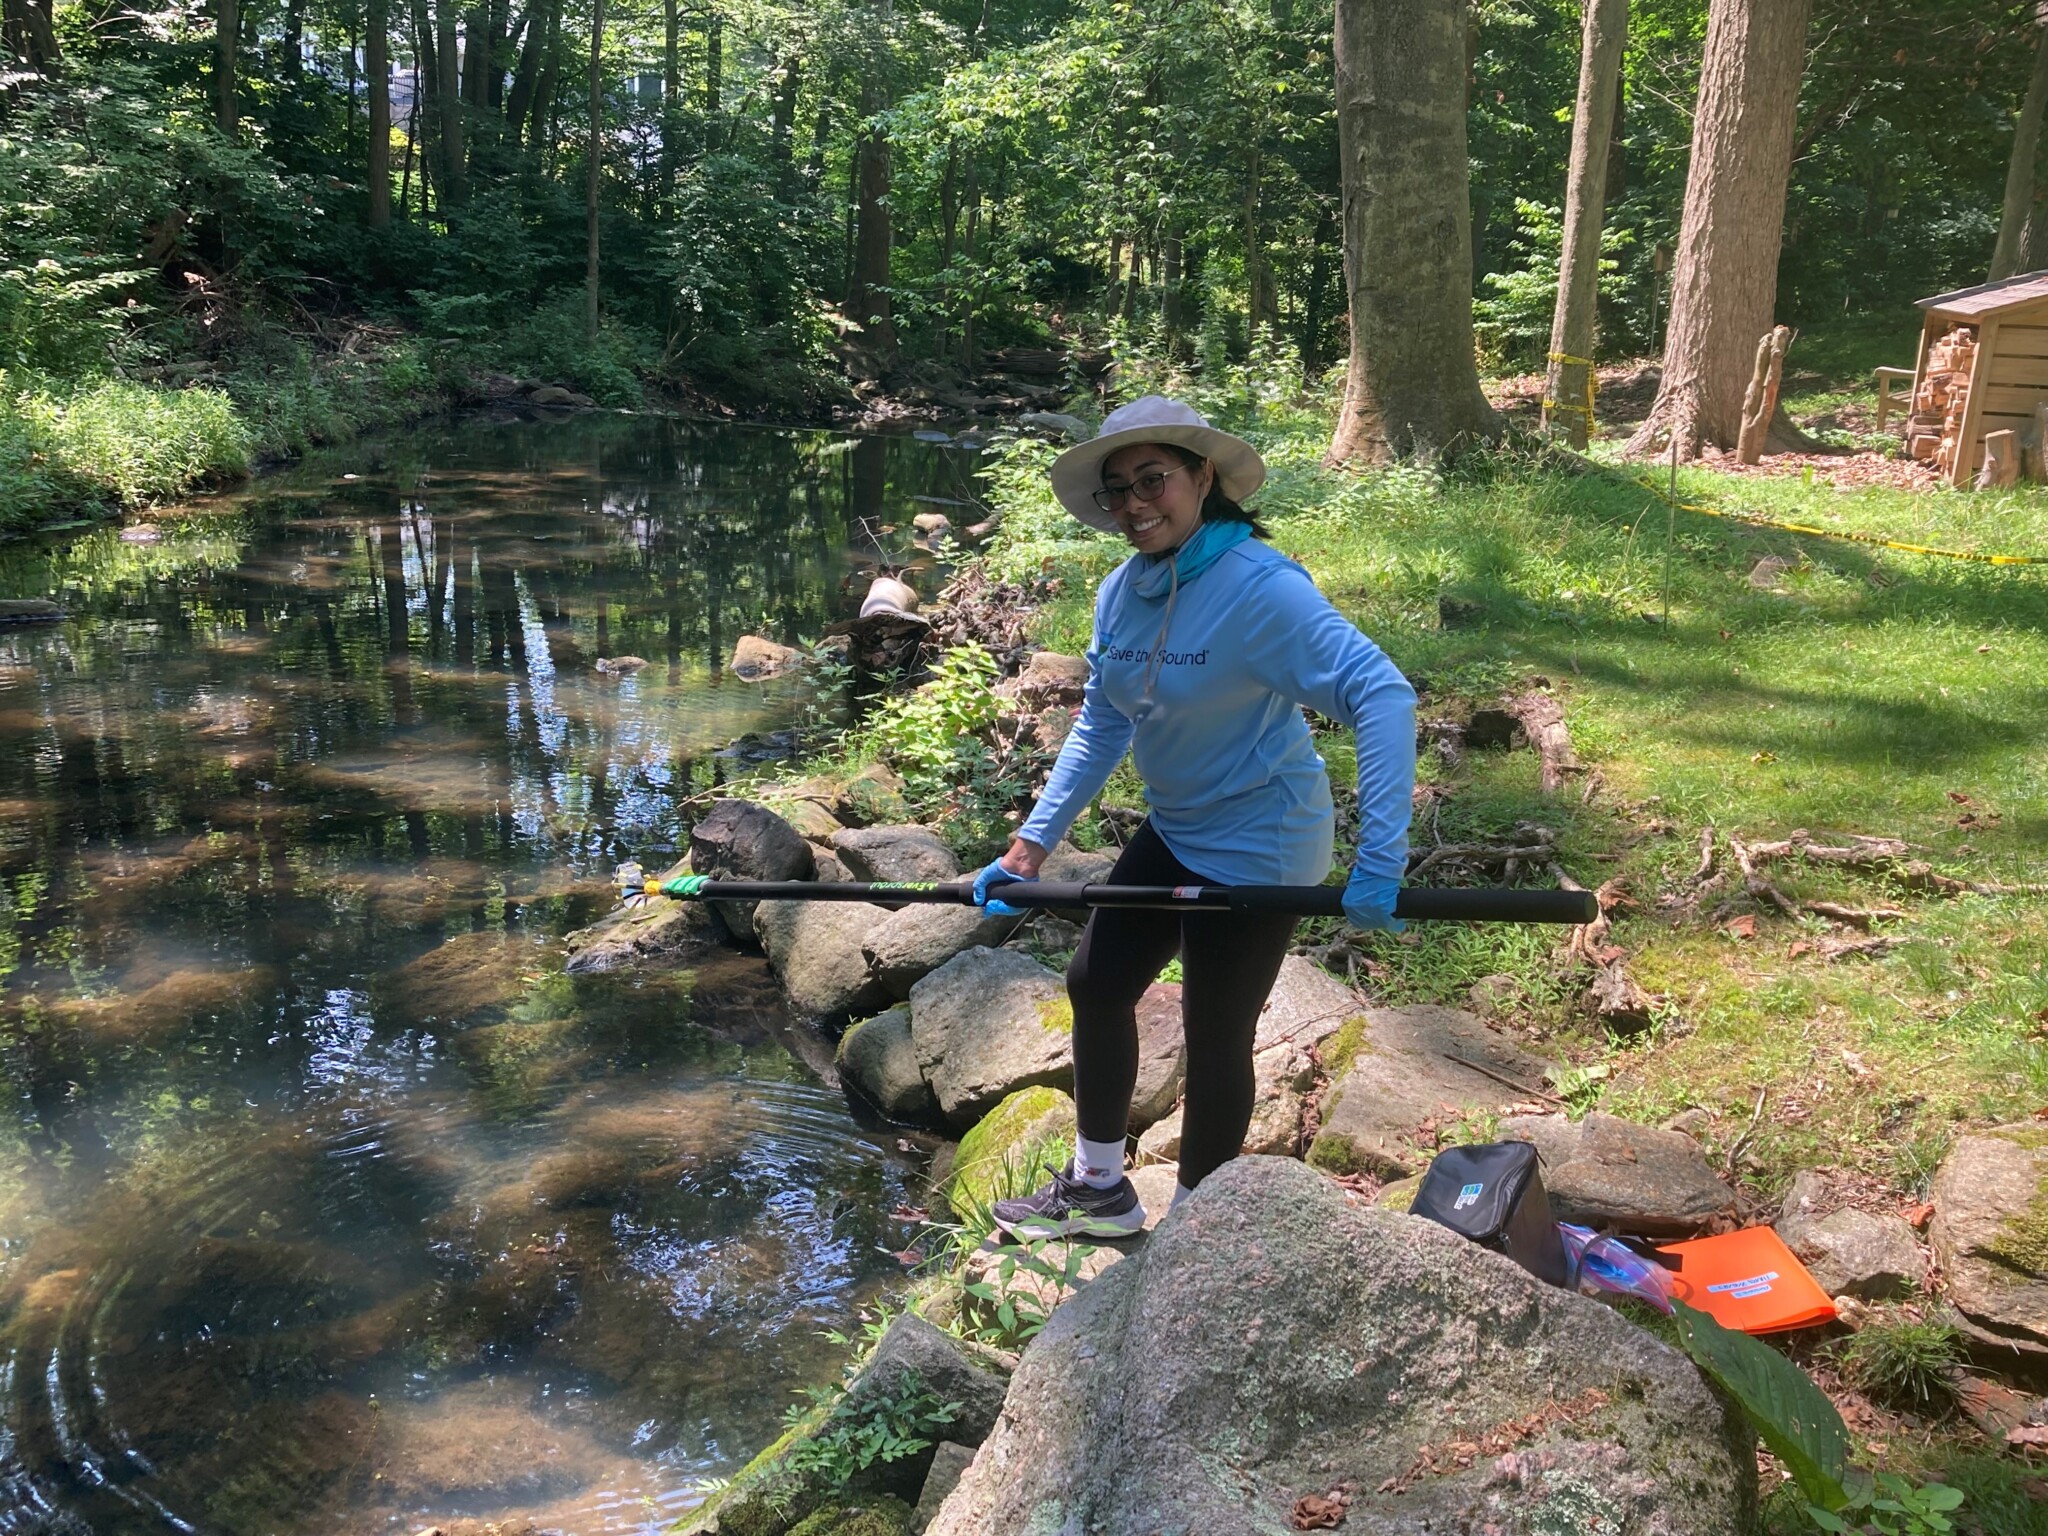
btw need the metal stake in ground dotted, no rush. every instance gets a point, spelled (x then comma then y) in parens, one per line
(1416, 904)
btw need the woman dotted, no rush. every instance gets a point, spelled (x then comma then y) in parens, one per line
(1207, 643)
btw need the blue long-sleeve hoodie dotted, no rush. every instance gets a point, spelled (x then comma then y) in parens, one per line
(1231, 774)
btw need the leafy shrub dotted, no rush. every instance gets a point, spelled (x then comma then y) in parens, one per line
(866, 1429)
(1513, 320)
(135, 443)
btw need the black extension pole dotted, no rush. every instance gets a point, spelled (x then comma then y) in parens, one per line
(1415, 904)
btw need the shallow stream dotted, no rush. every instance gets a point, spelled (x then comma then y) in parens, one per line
(328, 1203)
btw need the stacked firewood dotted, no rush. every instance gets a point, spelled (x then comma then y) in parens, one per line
(1936, 426)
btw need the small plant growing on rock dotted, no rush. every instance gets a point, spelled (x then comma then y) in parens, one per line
(862, 1430)
(1020, 1289)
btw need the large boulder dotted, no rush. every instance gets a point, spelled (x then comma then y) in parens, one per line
(1604, 1172)
(740, 840)
(1394, 1068)
(877, 1057)
(986, 1023)
(1990, 1236)
(1306, 1006)
(815, 948)
(655, 931)
(911, 943)
(1870, 1255)
(951, 1369)
(895, 853)
(1275, 1340)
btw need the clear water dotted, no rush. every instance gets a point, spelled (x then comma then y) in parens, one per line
(328, 1203)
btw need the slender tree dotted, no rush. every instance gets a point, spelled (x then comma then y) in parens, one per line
(227, 36)
(1413, 383)
(2019, 168)
(1569, 390)
(454, 177)
(594, 170)
(1724, 283)
(377, 66)
(867, 289)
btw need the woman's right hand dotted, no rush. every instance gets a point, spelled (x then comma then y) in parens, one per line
(1021, 863)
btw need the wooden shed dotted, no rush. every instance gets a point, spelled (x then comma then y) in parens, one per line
(1982, 368)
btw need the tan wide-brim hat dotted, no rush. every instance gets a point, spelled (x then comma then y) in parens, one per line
(1077, 473)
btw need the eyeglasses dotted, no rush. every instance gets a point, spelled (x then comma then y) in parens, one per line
(1150, 487)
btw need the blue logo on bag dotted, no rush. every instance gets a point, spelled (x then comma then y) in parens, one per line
(1469, 1195)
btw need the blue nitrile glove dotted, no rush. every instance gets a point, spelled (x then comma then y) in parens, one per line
(1369, 901)
(995, 874)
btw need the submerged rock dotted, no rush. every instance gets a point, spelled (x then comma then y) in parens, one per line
(1990, 1236)
(755, 660)
(649, 932)
(986, 1023)
(1274, 1340)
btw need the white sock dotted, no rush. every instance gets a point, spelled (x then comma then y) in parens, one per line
(1098, 1164)
(1180, 1193)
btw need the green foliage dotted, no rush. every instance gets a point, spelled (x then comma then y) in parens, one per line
(864, 1429)
(1513, 318)
(1902, 1358)
(959, 767)
(129, 443)
(1890, 1505)
(1791, 1414)
(1023, 1283)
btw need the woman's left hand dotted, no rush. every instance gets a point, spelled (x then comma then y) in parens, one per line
(1369, 902)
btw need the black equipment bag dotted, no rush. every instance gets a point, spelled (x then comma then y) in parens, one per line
(1494, 1195)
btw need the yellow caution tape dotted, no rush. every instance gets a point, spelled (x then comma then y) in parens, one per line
(1592, 388)
(1757, 520)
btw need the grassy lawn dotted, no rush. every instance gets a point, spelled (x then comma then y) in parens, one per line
(1839, 688)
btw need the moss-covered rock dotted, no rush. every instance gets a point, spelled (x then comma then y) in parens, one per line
(1990, 1237)
(1029, 1131)
(882, 1516)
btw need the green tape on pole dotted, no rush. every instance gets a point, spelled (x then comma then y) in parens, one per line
(685, 885)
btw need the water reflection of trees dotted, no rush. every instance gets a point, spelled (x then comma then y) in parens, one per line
(306, 736)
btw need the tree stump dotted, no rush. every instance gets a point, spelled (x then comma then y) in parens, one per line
(1760, 404)
(2001, 460)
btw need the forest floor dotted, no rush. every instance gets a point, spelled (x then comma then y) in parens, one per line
(1751, 681)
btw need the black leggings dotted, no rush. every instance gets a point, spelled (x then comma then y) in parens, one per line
(1228, 963)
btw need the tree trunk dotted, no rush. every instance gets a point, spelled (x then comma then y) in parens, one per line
(671, 94)
(227, 36)
(540, 131)
(519, 100)
(29, 31)
(1569, 391)
(867, 297)
(2019, 169)
(1413, 384)
(1724, 283)
(377, 66)
(594, 158)
(454, 176)
(290, 65)
(1170, 322)
(782, 132)
(1261, 303)
(714, 64)
(1760, 400)
(1314, 316)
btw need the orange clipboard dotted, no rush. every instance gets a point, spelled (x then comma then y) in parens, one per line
(1748, 1280)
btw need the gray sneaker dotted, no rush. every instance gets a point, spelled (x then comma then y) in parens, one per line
(1069, 1208)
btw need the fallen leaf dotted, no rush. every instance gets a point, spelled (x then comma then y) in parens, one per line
(1983, 650)
(1763, 757)
(1917, 1216)
(1959, 797)
(909, 1258)
(1801, 947)
(1744, 927)
(2028, 1436)
(909, 1213)
(1313, 1512)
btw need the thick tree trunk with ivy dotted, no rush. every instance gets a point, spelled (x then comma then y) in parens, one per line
(1413, 385)
(1724, 282)
(2011, 251)
(377, 66)
(594, 171)
(1569, 390)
